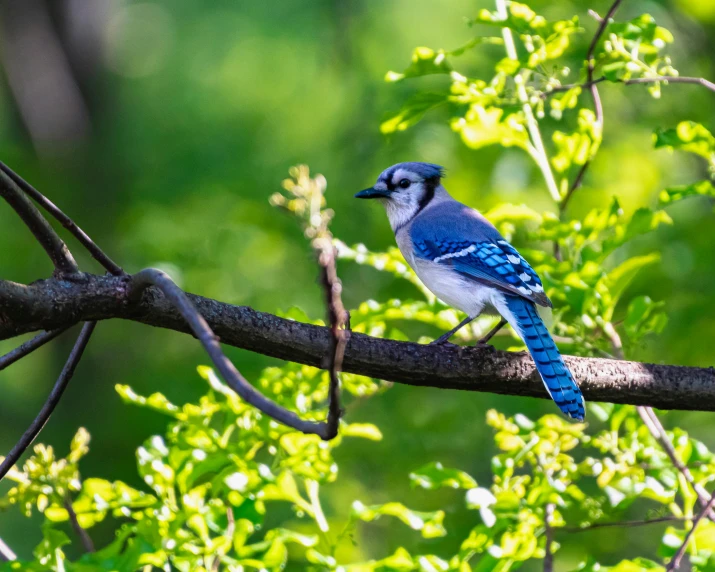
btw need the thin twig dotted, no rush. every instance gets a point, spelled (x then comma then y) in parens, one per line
(198, 325)
(6, 553)
(595, 96)
(52, 400)
(29, 346)
(636, 81)
(83, 535)
(65, 221)
(674, 564)
(230, 529)
(549, 533)
(338, 320)
(652, 422)
(623, 523)
(539, 151)
(49, 240)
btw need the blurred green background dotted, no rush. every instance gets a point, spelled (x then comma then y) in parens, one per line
(163, 127)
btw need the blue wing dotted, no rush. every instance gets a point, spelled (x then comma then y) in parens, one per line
(492, 262)
(463, 239)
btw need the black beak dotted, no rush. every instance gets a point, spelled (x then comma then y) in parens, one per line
(373, 193)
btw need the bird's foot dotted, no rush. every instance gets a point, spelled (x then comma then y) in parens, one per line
(485, 345)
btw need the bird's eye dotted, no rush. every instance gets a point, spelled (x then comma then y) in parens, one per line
(404, 183)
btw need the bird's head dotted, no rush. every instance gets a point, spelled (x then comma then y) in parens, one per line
(405, 189)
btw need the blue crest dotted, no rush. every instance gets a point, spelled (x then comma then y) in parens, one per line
(424, 170)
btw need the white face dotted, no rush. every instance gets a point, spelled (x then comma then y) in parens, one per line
(408, 189)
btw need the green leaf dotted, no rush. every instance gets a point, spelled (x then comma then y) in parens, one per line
(620, 277)
(425, 61)
(687, 136)
(644, 316)
(434, 476)
(412, 111)
(156, 401)
(428, 523)
(363, 430)
(482, 126)
(674, 194)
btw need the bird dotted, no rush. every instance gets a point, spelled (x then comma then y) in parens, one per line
(464, 261)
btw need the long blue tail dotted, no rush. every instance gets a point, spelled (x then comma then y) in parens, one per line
(549, 363)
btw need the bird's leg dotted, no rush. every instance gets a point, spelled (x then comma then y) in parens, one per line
(444, 337)
(484, 341)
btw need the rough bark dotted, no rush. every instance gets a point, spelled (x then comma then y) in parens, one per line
(57, 302)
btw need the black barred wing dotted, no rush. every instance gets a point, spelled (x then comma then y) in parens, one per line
(495, 263)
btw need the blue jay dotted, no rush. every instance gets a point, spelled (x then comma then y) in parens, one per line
(464, 261)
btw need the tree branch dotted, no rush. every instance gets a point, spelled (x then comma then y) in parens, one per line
(6, 553)
(52, 400)
(58, 302)
(28, 347)
(549, 533)
(639, 80)
(64, 220)
(622, 523)
(83, 535)
(200, 328)
(652, 422)
(598, 107)
(49, 240)
(674, 564)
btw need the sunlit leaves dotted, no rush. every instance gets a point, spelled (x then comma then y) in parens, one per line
(674, 194)
(45, 480)
(688, 136)
(425, 61)
(412, 111)
(635, 49)
(435, 476)
(482, 126)
(428, 523)
(543, 40)
(578, 147)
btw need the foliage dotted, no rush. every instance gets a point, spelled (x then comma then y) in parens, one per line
(225, 487)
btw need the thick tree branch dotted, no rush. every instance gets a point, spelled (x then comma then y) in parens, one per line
(58, 302)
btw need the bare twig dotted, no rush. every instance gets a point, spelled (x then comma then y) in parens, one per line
(65, 221)
(595, 96)
(651, 420)
(83, 535)
(29, 346)
(674, 564)
(53, 399)
(549, 533)
(638, 81)
(536, 149)
(201, 329)
(338, 320)
(6, 553)
(623, 523)
(49, 240)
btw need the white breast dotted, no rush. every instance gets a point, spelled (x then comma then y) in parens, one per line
(461, 293)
